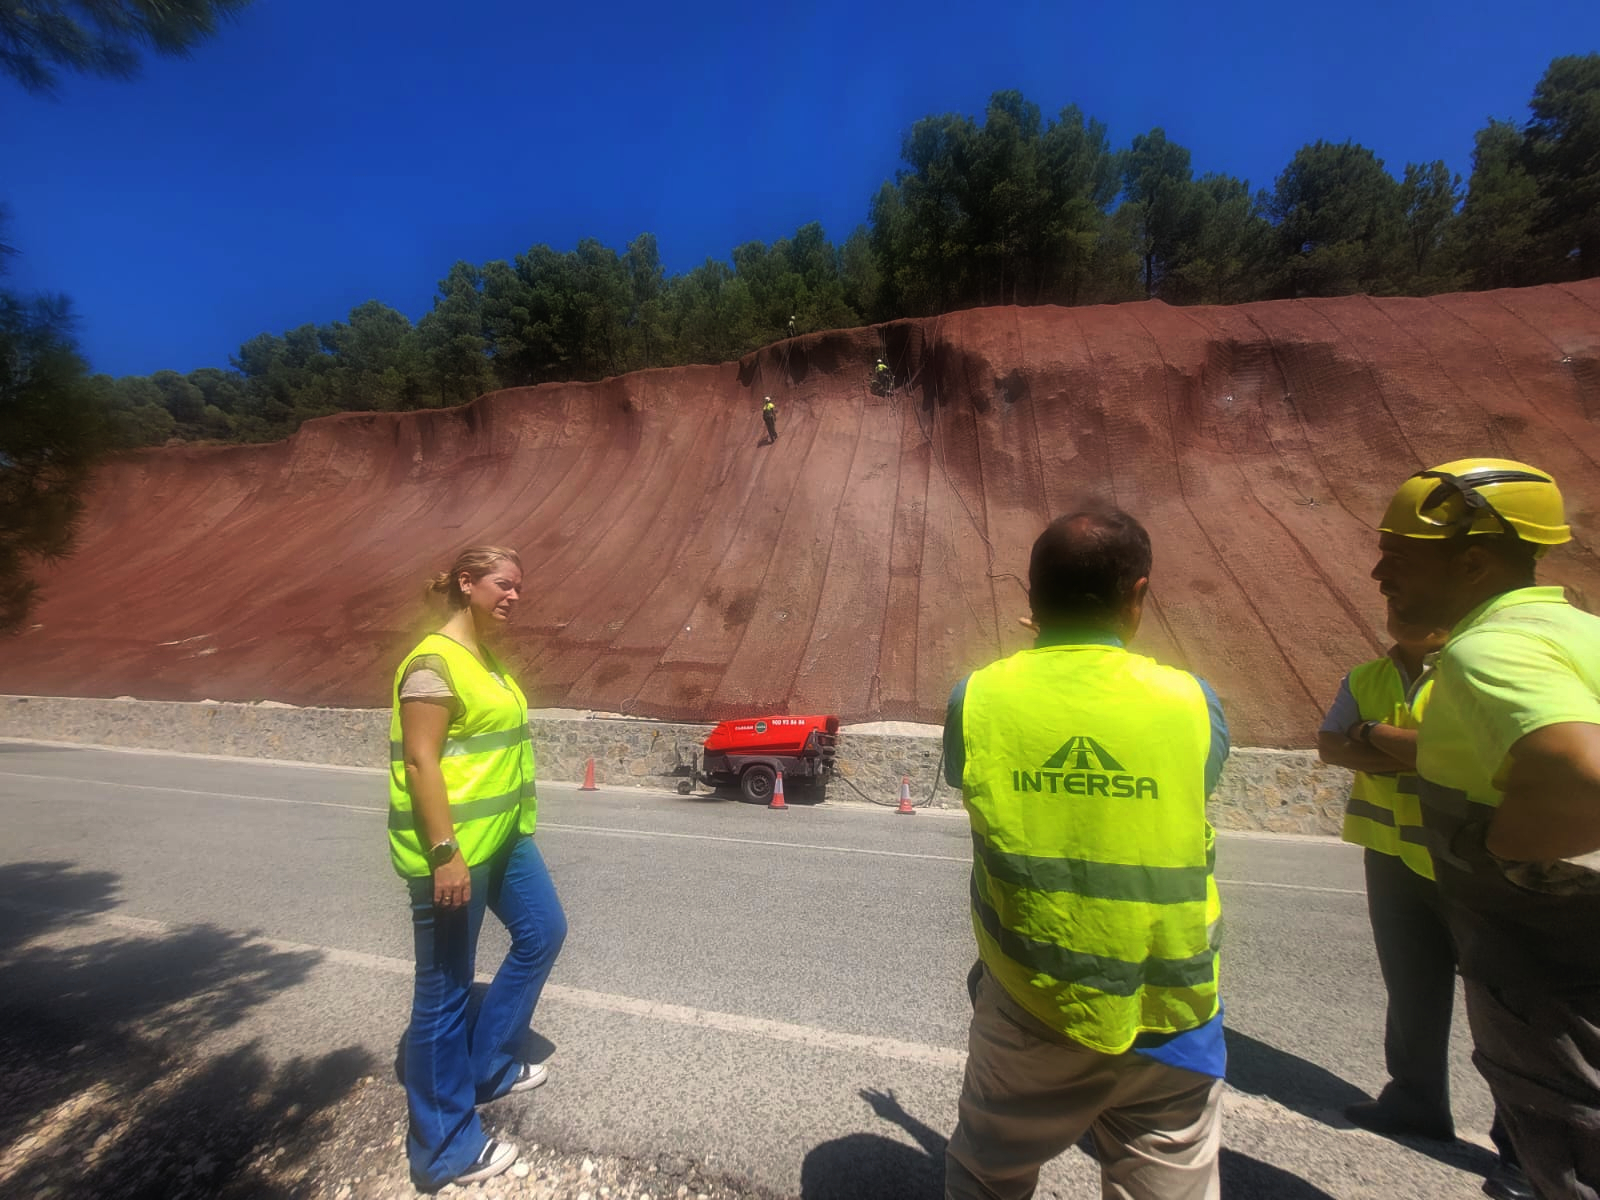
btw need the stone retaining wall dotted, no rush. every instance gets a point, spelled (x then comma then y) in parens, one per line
(1283, 791)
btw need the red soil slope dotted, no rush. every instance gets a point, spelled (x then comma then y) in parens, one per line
(678, 567)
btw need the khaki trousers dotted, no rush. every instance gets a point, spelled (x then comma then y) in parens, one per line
(1030, 1094)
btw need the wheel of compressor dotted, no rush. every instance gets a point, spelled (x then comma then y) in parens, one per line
(756, 783)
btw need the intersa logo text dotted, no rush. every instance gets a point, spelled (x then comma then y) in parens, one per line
(1083, 767)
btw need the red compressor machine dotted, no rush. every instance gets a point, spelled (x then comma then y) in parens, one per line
(749, 752)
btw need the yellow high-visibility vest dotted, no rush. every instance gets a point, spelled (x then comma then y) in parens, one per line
(1384, 812)
(487, 761)
(1093, 899)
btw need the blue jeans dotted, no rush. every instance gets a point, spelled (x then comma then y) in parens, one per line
(453, 1060)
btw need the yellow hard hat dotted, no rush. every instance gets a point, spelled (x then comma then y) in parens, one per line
(1479, 495)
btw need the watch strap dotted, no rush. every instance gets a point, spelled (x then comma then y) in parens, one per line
(449, 846)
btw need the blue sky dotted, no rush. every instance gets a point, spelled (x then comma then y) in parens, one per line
(322, 153)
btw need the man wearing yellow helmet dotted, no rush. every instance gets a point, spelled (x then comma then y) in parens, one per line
(769, 414)
(1509, 762)
(1371, 729)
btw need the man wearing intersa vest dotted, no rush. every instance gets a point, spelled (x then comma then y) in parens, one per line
(1085, 771)
(1509, 761)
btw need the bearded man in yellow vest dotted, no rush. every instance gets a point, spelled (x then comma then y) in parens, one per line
(1508, 762)
(1085, 771)
(1371, 729)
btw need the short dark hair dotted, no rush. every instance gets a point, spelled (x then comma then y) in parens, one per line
(1084, 566)
(1513, 553)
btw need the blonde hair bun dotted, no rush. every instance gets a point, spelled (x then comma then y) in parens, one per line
(475, 562)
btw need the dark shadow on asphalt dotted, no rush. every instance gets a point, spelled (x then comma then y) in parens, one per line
(1264, 1070)
(38, 897)
(101, 1052)
(1246, 1178)
(703, 797)
(869, 1164)
(802, 794)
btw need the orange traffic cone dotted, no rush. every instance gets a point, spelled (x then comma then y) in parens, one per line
(905, 809)
(777, 794)
(588, 778)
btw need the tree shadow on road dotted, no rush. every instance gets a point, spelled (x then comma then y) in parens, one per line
(107, 1085)
(869, 1164)
(1313, 1091)
(37, 897)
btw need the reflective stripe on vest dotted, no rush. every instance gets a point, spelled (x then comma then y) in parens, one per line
(1100, 880)
(486, 760)
(1113, 976)
(470, 810)
(476, 744)
(1093, 900)
(1369, 815)
(1383, 807)
(1445, 813)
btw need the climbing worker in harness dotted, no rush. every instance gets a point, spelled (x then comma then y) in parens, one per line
(882, 379)
(769, 414)
(792, 329)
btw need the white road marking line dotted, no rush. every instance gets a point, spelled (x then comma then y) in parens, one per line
(150, 787)
(610, 831)
(843, 805)
(650, 1010)
(1242, 1104)
(778, 1031)
(1289, 887)
(964, 860)
(240, 759)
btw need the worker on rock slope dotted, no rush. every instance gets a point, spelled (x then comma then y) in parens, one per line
(769, 414)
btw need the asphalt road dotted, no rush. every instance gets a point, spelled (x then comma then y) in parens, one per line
(779, 994)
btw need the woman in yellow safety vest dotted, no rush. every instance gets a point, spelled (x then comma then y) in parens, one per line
(461, 811)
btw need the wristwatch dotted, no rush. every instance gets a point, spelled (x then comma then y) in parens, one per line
(1364, 731)
(442, 852)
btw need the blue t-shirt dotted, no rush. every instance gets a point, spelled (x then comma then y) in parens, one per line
(1201, 1049)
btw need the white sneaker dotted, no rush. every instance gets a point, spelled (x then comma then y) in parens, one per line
(496, 1157)
(529, 1076)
